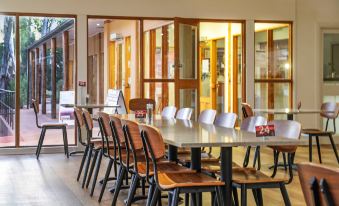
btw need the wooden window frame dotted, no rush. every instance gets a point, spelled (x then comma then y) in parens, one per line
(17, 16)
(269, 80)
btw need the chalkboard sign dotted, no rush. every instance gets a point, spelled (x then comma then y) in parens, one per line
(115, 97)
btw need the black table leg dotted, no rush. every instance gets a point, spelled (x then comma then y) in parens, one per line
(226, 174)
(289, 116)
(172, 153)
(196, 165)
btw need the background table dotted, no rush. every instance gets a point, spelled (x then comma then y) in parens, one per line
(288, 112)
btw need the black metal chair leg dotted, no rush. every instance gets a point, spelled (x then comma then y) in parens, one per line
(235, 196)
(89, 157)
(94, 162)
(41, 143)
(132, 189)
(275, 166)
(97, 169)
(194, 199)
(82, 162)
(318, 147)
(143, 187)
(108, 171)
(334, 147)
(310, 148)
(118, 184)
(285, 194)
(187, 199)
(247, 157)
(219, 196)
(259, 196)
(284, 159)
(255, 196)
(156, 193)
(64, 132)
(243, 195)
(290, 169)
(150, 192)
(175, 197)
(256, 157)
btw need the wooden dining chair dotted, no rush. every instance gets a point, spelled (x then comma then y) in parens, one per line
(111, 130)
(140, 104)
(95, 145)
(207, 116)
(288, 129)
(168, 112)
(330, 111)
(249, 125)
(48, 126)
(80, 124)
(247, 110)
(320, 184)
(184, 113)
(174, 183)
(137, 162)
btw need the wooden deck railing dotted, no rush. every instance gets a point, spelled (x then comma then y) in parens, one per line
(7, 106)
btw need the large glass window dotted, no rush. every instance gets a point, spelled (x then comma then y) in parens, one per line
(45, 69)
(159, 62)
(273, 65)
(7, 80)
(47, 65)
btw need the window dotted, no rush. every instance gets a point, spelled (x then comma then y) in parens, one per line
(43, 66)
(273, 65)
(158, 82)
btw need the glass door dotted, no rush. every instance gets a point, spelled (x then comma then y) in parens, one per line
(186, 64)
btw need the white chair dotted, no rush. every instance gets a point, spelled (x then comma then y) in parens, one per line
(184, 113)
(226, 120)
(207, 116)
(168, 112)
(248, 125)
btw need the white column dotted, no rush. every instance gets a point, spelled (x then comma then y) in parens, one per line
(250, 62)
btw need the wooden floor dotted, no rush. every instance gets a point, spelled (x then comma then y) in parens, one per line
(52, 180)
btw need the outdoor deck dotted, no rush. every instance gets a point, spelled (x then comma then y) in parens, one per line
(29, 133)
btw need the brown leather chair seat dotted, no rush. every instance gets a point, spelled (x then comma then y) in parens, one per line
(165, 166)
(175, 180)
(252, 176)
(53, 124)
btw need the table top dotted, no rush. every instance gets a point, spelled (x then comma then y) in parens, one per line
(289, 111)
(90, 105)
(185, 133)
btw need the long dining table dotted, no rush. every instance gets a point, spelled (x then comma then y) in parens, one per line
(191, 134)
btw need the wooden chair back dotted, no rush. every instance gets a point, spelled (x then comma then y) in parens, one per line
(184, 113)
(247, 110)
(140, 104)
(320, 184)
(35, 109)
(329, 110)
(207, 116)
(88, 120)
(106, 134)
(249, 123)
(226, 120)
(154, 148)
(132, 134)
(79, 123)
(118, 128)
(169, 112)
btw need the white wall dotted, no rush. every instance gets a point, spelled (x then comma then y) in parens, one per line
(311, 17)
